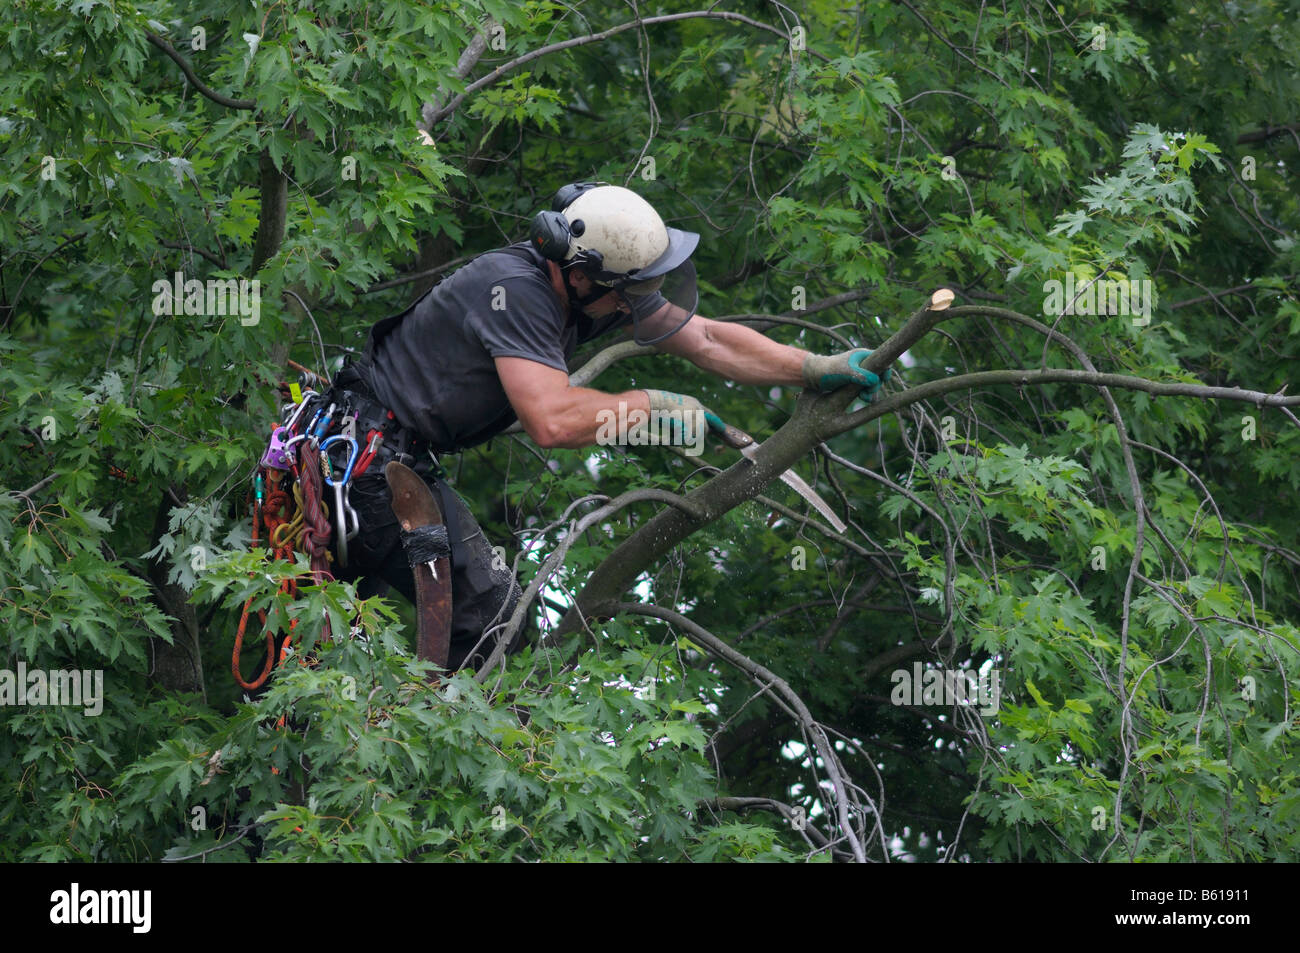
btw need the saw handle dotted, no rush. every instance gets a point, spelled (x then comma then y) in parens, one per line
(734, 438)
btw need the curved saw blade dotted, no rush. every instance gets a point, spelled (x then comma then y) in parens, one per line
(739, 440)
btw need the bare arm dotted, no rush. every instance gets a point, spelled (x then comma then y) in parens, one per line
(737, 353)
(552, 412)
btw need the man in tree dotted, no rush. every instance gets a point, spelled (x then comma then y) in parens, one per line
(490, 344)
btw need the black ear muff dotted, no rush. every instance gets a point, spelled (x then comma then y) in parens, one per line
(550, 235)
(551, 232)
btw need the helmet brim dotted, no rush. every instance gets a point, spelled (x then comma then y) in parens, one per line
(681, 245)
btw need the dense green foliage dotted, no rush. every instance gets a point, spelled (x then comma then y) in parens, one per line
(1146, 642)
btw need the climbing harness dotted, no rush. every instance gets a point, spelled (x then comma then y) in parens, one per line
(317, 445)
(290, 513)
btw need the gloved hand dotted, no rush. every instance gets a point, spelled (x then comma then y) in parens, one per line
(832, 371)
(676, 408)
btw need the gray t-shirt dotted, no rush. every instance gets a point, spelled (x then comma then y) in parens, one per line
(433, 365)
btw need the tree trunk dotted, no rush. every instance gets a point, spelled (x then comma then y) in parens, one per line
(177, 667)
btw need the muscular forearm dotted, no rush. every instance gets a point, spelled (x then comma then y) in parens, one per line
(579, 414)
(555, 413)
(743, 355)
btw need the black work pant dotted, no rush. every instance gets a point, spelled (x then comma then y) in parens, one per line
(483, 588)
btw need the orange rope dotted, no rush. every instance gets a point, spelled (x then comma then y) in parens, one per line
(276, 516)
(273, 514)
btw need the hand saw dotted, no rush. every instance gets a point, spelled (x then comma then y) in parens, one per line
(743, 442)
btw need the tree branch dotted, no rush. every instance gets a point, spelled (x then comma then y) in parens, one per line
(193, 77)
(439, 115)
(468, 59)
(1020, 378)
(767, 677)
(819, 417)
(556, 559)
(746, 478)
(32, 490)
(742, 804)
(12, 306)
(203, 253)
(414, 276)
(1236, 290)
(765, 323)
(215, 847)
(1268, 132)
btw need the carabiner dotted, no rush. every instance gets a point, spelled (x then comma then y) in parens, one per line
(340, 525)
(352, 457)
(354, 520)
(306, 399)
(306, 431)
(323, 427)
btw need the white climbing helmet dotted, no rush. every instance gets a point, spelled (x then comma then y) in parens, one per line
(626, 230)
(618, 240)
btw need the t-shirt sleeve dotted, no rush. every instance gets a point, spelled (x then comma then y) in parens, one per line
(526, 322)
(645, 305)
(601, 326)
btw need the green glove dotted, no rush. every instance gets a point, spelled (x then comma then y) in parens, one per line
(833, 371)
(675, 407)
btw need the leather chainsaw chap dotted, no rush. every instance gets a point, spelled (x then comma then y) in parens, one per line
(428, 550)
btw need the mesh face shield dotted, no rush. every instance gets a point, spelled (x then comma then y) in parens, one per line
(661, 306)
(663, 295)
